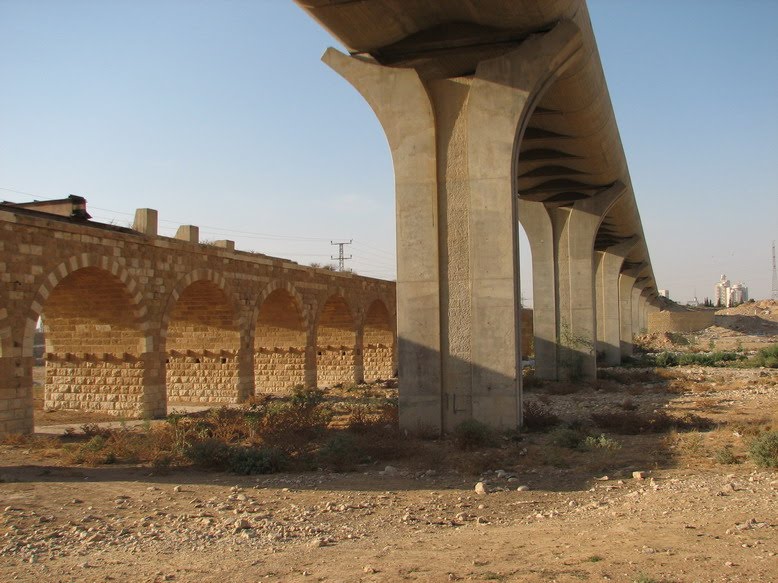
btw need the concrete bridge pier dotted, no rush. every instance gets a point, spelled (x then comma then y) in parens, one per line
(609, 267)
(627, 279)
(454, 144)
(575, 229)
(536, 220)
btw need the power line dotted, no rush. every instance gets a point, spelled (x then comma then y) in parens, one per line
(341, 258)
(775, 276)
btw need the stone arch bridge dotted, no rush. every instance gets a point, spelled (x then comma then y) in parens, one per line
(135, 322)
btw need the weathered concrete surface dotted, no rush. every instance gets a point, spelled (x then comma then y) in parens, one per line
(475, 122)
(480, 104)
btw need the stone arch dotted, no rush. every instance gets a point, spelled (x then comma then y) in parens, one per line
(280, 338)
(202, 336)
(336, 338)
(96, 332)
(378, 342)
(50, 281)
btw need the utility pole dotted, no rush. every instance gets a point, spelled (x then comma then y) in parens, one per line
(775, 276)
(341, 258)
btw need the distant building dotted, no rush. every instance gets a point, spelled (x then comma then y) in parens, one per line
(665, 293)
(727, 295)
(738, 294)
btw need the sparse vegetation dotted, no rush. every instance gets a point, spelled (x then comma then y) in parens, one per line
(667, 359)
(472, 434)
(767, 357)
(633, 423)
(764, 450)
(537, 417)
(726, 456)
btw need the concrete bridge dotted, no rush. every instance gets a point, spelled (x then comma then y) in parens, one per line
(496, 113)
(136, 323)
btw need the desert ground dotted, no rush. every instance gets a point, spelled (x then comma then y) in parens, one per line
(644, 476)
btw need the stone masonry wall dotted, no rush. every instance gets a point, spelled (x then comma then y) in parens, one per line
(378, 362)
(202, 378)
(681, 321)
(111, 299)
(278, 371)
(335, 367)
(110, 386)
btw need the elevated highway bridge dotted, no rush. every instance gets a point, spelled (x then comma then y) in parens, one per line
(497, 113)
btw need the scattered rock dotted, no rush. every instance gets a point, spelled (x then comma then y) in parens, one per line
(481, 489)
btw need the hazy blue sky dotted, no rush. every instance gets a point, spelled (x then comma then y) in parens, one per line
(220, 114)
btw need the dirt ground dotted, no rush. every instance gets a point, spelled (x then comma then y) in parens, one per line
(550, 513)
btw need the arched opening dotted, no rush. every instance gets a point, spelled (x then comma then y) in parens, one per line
(279, 344)
(527, 296)
(93, 344)
(378, 343)
(335, 344)
(203, 343)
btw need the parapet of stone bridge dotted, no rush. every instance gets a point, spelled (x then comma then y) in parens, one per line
(136, 322)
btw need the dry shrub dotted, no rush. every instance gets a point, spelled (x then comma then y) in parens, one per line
(634, 423)
(14, 439)
(537, 417)
(752, 427)
(472, 434)
(564, 387)
(478, 462)
(361, 420)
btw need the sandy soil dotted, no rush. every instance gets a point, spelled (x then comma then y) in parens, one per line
(690, 519)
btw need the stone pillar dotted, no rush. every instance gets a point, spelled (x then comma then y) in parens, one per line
(245, 372)
(16, 406)
(454, 144)
(310, 360)
(154, 385)
(359, 355)
(536, 221)
(145, 222)
(575, 229)
(189, 233)
(608, 300)
(627, 281)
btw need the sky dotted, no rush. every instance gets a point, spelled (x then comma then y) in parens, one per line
(220, 114)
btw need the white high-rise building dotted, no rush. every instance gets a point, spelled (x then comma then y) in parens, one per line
(738, 294)
(727, 295)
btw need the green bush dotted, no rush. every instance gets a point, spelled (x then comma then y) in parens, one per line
(601, 441)
(666, 359)
(472, 434)
(255, 460)
(302, 397)
(726, 456)
(208, 453)
(567, 437)
(767, 357)
(764, 450)
(341, 452)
